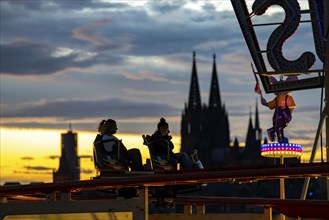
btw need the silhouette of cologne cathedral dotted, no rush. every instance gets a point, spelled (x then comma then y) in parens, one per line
(206, 128)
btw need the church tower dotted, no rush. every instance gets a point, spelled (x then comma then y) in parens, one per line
(205, 128)
(191, 124)
(216, 130)
(251, 153)
(250, 138)
(194, 101)
(69, 166)
(214, 97)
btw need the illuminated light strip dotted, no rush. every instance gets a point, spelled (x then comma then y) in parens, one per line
(281, 149)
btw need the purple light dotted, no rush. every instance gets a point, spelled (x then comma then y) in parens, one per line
(281, 149)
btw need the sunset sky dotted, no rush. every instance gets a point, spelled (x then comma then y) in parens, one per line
(80, 62)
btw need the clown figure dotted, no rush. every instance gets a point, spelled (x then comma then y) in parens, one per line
(283, 105)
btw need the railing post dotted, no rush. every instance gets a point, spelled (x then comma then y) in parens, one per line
(141, 211)
(267, 213)
(187, 209)
(201, 209)
(326, 79)
(3, 200)
(282, 188)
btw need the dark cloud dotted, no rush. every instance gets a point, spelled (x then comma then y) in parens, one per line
(87, 4)
(209, 7)
(92, 34)
(36, 5)
(183, 38)
(27, 158)
(53, 157)
(42, 168)
(24, 4)
(42, 172)
(25, 57)
(132, 31)
(165, 7)
(79, 109)
(85, 157)
(87, 171)
(28, 58)
(53, 125)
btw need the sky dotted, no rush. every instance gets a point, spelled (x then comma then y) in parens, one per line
(78, 62)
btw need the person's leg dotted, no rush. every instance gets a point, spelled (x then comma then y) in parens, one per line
(195, 159)
(134, 158)
(184, 160)
(194, 155)
(197, 165)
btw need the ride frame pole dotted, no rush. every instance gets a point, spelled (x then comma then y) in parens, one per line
(326, 80)
(282, 188)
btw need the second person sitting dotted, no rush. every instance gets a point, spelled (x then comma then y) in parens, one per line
(162, 140)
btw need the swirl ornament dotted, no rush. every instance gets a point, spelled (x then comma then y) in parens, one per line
(274, 45)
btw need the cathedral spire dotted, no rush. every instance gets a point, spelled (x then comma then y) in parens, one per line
(250, 119)
(214, 97)
(250, 133)
(250, 126)
(194, 97)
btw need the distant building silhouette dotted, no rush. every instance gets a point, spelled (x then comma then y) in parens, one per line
(250, 154)
(69, 164)
(205, 128)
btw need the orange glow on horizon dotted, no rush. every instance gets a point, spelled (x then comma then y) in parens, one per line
(31, 155)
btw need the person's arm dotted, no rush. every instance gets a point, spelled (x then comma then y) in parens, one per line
(170, 143)
(160, 144)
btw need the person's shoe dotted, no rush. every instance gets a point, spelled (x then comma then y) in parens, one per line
(198, 165)
(270, 135)
(194, 155)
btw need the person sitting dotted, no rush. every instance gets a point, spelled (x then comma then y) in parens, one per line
(162, 141)
(132, 157)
